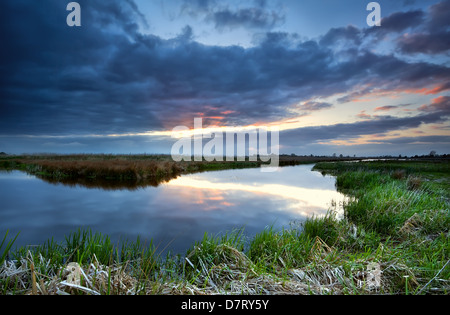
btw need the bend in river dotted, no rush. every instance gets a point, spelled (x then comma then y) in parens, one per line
(175, 214)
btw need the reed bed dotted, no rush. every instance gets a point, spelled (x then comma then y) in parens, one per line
(113, 171)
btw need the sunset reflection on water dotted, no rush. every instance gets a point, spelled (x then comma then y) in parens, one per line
(299, 200)
(175, 214)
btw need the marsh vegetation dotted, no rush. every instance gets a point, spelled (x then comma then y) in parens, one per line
(392, 239)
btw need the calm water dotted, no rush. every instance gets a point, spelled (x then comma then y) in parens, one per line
(176, 213)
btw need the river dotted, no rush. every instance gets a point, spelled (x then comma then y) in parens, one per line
(174, 215)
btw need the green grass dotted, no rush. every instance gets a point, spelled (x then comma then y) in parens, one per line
(405, 205)
(393, 239)
(5, 247)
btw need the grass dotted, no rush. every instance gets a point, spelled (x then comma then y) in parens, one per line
(393, 239)
(391, 197)
(6, 247)
(405, 205)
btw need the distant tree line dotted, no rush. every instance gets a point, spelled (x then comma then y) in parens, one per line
(432, 154)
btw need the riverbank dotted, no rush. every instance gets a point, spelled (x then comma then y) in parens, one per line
(394, 239)
(119, 171)
(128, 171)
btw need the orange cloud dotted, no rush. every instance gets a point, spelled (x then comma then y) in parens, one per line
(429, 91)
(228, 112)
(363, 114)
(216, 117)
(385, 108)
(441, 103)
(437, 89)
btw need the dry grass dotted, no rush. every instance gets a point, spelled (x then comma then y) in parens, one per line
(236, 274)
(113, 171)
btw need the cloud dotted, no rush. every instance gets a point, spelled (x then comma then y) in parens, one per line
(439, 16)
(257, 14)
(440, 104)
(433, 35)
(247, 17)
(416, 31)
(390, 107)
(363, 115)
(398, 22)
(194, 7)
(315, 106)
(415, 140)
(107, 78)
(372, 125)
(385, 108)
(349, 34)
(424, 43)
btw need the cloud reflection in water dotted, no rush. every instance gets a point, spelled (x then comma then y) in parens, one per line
(176, 213)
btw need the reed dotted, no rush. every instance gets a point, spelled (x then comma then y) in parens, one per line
(113, 171)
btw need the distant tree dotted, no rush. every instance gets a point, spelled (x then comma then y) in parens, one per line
(433, 153)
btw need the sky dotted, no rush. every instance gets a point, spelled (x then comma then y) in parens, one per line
(136, 69)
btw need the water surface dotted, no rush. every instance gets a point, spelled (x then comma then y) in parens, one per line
(174, 214)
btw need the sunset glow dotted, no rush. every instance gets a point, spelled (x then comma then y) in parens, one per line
(134, 71)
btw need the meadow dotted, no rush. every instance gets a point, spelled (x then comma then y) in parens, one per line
(393, 239)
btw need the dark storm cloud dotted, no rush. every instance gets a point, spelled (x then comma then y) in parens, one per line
(439, 16)
(53, 78)
(398, 22)
(106, 77)
(417, 31)
(349, 34)
(425, 43)
(432, 36)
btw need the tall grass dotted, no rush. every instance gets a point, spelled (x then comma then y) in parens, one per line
(4, 251)
(111, 171)
(384, 204)
(404, 205)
